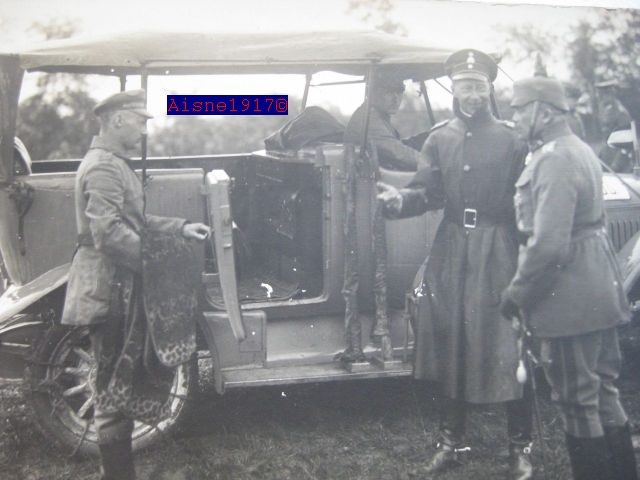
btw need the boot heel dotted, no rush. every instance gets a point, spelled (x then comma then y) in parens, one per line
(462, 455)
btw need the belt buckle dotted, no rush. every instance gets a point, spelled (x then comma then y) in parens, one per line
(470, 218)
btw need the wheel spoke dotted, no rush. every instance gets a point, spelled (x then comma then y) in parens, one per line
(78, 372)
(87, 357)
(83, 387)
(85, 407)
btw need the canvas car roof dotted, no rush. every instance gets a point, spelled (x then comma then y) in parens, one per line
(346, 52)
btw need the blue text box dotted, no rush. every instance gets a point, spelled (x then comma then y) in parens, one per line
(227, 104)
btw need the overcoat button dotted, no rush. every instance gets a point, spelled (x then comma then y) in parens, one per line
(469, 134)
(466, 168)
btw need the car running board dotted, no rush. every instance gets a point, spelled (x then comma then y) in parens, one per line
(293, 374)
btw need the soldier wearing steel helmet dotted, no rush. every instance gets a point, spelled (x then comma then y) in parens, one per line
(471, 164)
(568, 285)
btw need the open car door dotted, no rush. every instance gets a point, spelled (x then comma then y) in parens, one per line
(217, 191)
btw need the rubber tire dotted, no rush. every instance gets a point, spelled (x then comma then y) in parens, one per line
(56, 415)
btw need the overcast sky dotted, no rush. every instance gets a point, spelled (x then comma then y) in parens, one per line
(454, 24)
(457, 23)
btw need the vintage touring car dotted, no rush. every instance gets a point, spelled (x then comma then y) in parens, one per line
(304, 245)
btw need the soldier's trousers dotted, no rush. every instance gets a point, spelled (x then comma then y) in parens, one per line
(453, 419)
(111, 426)
(581, 370)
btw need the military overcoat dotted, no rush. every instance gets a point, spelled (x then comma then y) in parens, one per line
(462, 341)
(568, 281)
(110, 216)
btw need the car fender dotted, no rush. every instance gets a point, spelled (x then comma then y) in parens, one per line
(16, 299)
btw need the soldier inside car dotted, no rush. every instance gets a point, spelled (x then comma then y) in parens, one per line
(394, 153)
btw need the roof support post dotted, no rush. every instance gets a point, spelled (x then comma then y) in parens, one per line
(425, 95)
(10, 83)
(367, 107)
(307, 84)
(494, 105)
(16, 263)
(144, 80)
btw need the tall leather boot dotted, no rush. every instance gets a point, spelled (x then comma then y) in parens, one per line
(520, 466)
(117, 461)
(622, 459)
(449, 454)
(520, 428)
(588, 458)
(449, 450)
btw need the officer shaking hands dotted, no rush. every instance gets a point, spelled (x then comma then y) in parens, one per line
(469, 166)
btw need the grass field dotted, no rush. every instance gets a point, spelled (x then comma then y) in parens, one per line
(382, 429)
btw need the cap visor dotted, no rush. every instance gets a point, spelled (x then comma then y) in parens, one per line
(620, 139)
(141, 111)
(470, 76)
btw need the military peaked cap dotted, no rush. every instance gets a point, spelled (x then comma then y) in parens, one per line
(132, 100)
(472, 64)
(539, 89)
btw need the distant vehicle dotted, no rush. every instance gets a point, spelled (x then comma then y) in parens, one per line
(273, 275)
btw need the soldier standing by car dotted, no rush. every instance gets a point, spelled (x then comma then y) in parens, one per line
(612, 116)
(573, 94)
(462, 341)
(393, 152)
(105, 276)
(568, 285)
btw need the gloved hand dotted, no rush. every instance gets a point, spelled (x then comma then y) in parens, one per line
(391, 199)
(508, 308)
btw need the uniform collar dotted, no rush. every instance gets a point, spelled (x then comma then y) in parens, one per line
(104, 144)
(480, 118)
(550, 133)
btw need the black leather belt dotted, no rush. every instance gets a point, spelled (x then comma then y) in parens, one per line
(471, 218)
(85, 239)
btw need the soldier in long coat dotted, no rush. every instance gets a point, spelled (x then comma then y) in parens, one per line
(105, 276)
(568, 283)
(470, 165)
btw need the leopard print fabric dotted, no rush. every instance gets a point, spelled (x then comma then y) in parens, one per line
(127, 378)
(149, 331)
(171, 276)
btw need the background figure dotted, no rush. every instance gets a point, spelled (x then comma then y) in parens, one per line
(394, 153)
(612, 116)
(470, 167)
(574, 120)
(568, 283)
(104, 289)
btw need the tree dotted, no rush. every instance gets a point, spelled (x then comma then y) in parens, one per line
(204, 136)
(58, 120)
(600, 47)
(376, 13)
(194, 135)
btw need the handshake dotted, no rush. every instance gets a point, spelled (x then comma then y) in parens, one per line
(390, 198)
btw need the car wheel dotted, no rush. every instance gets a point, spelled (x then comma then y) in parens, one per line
(58, 392)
